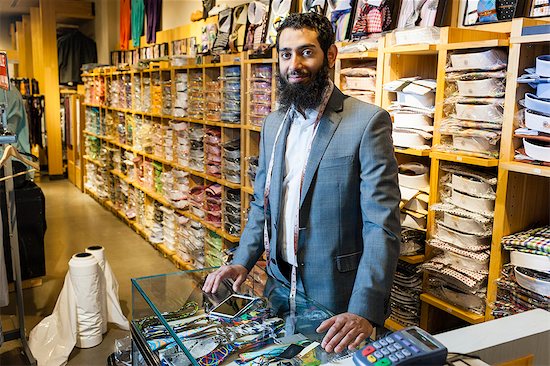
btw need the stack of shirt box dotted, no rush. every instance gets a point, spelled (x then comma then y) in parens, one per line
(231, 92)
(405, 294)
(360, 81)
(193, 245)
(252, 168)
(156, 94)
(116, 160)
(148, 174)
(213, 205)
(168, 142)
(166, 97)
(458, 274)
(121, 135)
(412, 112)
(143, 134)
(260, 94)
(212, 150)
(213, 101)
(474, 103)
(180, 105)
(128, 207)
(139, 197)
(196, 152)
(127, 166)
(178, 195)
(535, 118)
(153, 226)
(232, 211)
(232, 161)
(181, 142)
(414, 184)
(146, 101)
(157, 171)
(137, 106)
(525, 281)
(129, 128)
(167, 180)
(196, 105)
(168, 227)
(127, 87)
(213, 246)
(182, 237)
(92, 120)
(158, 140)
(113, 92)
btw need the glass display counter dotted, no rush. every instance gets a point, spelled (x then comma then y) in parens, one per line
(174, 324)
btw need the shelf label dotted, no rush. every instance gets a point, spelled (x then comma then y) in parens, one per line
(459, 158)
(537, 171)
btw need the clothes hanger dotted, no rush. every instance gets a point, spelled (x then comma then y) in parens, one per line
(11, 151)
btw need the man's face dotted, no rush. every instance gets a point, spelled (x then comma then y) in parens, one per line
(303, 68)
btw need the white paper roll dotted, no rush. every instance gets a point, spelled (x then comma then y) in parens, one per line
(86, 279)
(98, 252)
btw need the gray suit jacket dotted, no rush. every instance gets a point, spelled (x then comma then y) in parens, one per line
(349, 235)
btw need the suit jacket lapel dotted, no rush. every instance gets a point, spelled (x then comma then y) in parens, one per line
(327, 126)
(278, 170)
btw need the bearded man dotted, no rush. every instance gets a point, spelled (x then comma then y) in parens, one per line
(326, 197)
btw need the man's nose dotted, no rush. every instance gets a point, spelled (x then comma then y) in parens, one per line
(295, 63)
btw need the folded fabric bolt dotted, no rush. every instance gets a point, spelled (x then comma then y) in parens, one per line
(489, 87)
(473, 144)
(493, 59)
(535, 281)
(534, 240)
(409, 139)
(534, 103)
(531, 261)
(491, 112)
(482, 206)
(360, 83)
(463, 224)
(461, 239)
(416, 100)
(536, 121)
(419, 121)
(414, 175)
(537, 150)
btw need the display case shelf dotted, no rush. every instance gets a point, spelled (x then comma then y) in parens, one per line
(470, 317)
(465, 159)
(526, 168)
(409, 151)
(358, 55)
(414, 49)
(503, 42)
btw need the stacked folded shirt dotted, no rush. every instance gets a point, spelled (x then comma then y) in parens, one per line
(130, 207)
(474, 104)
(213, 249)
(414, 184)
(360, 81)
(153, 223)
(412, 112)
(156, 94)
(232, 161)
(252, 168)
(143, 134)
(232, 211)
(120, 122)
(231, 92)
(196, 152)
(137, 106)
(192, 247)
(196, 200)
(127, 85)
(166, 86)
(147, 178)
(167, 142)
(139, 197)
(168, 227)
(213, 205)
(462, 241)
(535, 118)
(213, 151)
(525, 281)
(146, 101)
(181, 142)
(181, 237)
(157, 173)
(213, 101)
(196, 105)
(260, 94)
(92, 121)
(405, 294)
(180, 103)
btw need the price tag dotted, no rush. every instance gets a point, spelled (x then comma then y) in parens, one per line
(459, 158)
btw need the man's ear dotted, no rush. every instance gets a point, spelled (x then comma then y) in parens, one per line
(331, 55)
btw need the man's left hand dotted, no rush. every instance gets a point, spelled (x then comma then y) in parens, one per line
(344, 330)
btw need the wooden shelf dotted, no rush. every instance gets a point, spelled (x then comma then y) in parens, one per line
(414, 49)
(500, 27)
(181, 264)
(471, 318)
(526, 168)
(393, 325)
(472, 160)
(253, 128)
(164, 250)
(414, 152)
(536, 38)
(413, 259)
(475, 44)
(93, 161)
(358, 55)
(248, 190)
(217, 230)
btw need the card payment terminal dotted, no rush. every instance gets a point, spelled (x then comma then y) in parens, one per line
(409, 346)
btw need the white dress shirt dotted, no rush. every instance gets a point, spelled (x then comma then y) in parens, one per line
(299, 139)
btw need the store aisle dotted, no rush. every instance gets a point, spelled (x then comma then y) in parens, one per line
(75, 221)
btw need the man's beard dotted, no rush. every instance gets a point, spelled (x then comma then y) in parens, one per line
(303, 95)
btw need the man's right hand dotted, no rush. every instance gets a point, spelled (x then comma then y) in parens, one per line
(236, 272)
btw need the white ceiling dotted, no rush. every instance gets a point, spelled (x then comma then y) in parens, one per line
(16, 7)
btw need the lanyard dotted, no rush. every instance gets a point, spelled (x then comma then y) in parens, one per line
(290, 111)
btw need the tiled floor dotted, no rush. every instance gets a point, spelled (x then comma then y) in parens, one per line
(75, 221)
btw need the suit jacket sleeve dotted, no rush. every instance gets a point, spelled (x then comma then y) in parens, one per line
(251, 245)
(380, 198)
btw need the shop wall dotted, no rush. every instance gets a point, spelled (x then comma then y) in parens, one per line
(5, 39)
(176, 13)
(107, 28)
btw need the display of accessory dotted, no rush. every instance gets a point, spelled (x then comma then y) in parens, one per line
(489, 59)
(371, 17)
(360, 81)
(258, 12)
(339, 14)
(405, 294)
(535, 241)
(539, 8)
(260, 94)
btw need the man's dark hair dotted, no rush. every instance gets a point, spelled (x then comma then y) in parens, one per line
(313, 21)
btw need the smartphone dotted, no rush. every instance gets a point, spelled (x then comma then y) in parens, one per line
(233, 306)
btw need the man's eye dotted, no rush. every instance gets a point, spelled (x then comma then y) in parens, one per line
(307, 53)
(285, 55)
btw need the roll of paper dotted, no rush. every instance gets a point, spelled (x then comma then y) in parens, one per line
(99, 254)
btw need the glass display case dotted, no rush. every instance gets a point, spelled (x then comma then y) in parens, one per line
(176, 323)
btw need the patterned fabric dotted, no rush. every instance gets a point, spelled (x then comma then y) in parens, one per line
(371, 19)
(461, 278)
(535, 241)
(487, 11)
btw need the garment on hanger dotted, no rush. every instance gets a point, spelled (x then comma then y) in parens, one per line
(225, 18)
(74, 49)
(315, 6)
(153, 12)
(279, 11)
(238, 27)
(138, 15)
(125, 21)
(371, 19)
(339, 14)
(257, 19)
